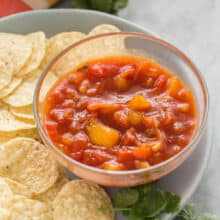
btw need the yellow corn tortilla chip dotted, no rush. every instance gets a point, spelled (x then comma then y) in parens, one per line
(16, 207)
(59, 42)
(18, 47)
(6, 70)
(23, 95)
(28, 162)
(103, 29)
(8, 122)
(18, 188)
(49, 196)
(6, 194)
(7, 136)
(23, 208)
(82, 200)
(15, 82)
(25, 112)
(38, 41)
(49, 81)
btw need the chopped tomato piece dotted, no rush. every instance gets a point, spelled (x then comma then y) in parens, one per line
(103, 69)
(121, 118)
(129, 138)
(52, 129)
(104, 107)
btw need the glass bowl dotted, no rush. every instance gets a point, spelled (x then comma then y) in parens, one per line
(122, 43)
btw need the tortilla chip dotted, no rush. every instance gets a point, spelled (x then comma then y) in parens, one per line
(28, 162)
(7, 136)
(25, 112)
(59, 42)
(6, 70)
(23, 95)
(8, 122)
(103, 29)
(18, 47)
(18, 188)
(49, 196)
(49, 81)
(82, 200)
(27, 209)
(38, 41)
(6, 194)
(15, 82)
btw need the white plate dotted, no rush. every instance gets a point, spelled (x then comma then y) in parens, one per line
(186, 178)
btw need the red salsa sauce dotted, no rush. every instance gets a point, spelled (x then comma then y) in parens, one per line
(120, 113)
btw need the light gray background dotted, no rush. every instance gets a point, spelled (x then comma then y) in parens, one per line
(194, 27)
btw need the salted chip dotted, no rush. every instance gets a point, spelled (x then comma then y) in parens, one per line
(28, 162)
(103, 29)
(82, 200)
(4, 214)
(49, 196)
(18, 188)
(6, 194)
(8, 122)
(59, 42)
(49, 81)
(38, 41)
(15, 82)
(18, 47)
(23, 95)
(28, 209)
(7, 136)
(25, 112)
(6, 70)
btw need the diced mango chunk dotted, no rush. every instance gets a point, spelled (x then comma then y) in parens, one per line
(102, 135)
(121, 83)
(141, 164)
(183, 107)
(113, 166)
(157, 147)
(103, 107)
(135, 118)
(139, 102)
(174, 86)
(143, 151)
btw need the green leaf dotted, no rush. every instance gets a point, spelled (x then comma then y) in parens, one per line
(133, 216)
(151, 205)
(208, 216)
(173, 202)
(101, 5)
(125, 198)
(119, 4)
(187, 213)
(81, 3)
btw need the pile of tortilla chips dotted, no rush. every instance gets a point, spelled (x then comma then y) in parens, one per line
(32, 184)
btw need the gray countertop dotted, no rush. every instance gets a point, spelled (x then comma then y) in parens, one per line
(194, 27)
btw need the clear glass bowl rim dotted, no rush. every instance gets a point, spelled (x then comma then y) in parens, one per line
(149, 37)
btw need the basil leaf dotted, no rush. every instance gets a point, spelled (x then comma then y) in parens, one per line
(208, 216)
(125, 198)
(81, 3)
(101, 5)
(173, 202)
(152, 205)
(119, 4)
